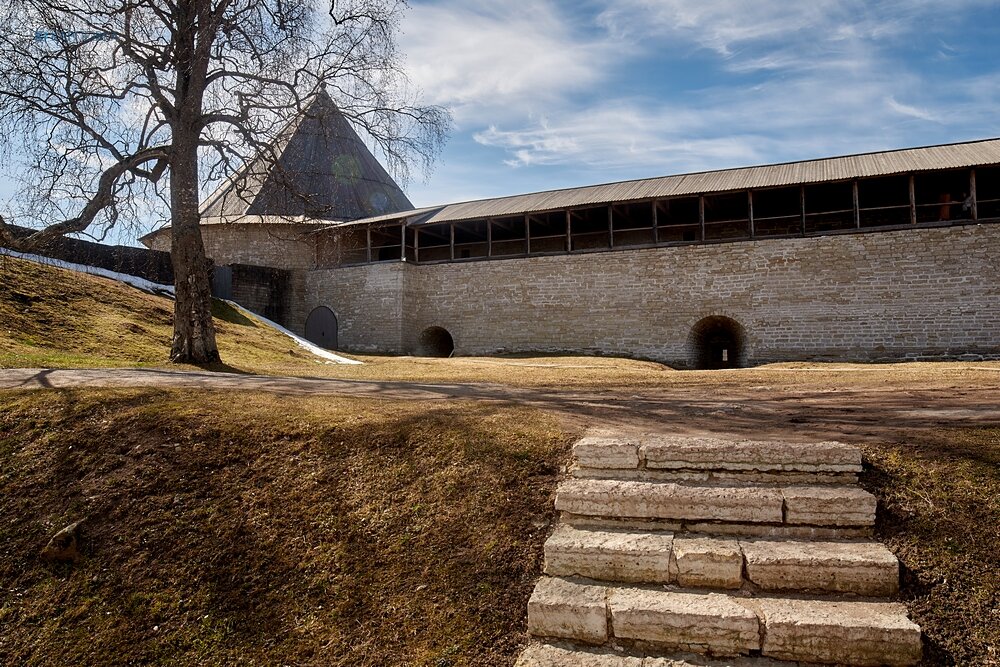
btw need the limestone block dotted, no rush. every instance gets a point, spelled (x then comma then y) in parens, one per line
(780, 532)
(545, 655)
(829, 506)
(855, 633)
(641, 557)
(568, 610)
(862, 568)
(712, 623)
(650, 500)
(613, 453)
(708, 562)
(720, 454)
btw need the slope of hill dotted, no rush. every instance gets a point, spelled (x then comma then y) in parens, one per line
(51, 317)
(292, 531)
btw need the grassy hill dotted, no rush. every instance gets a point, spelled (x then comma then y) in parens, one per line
(55, 318)
(294, 531)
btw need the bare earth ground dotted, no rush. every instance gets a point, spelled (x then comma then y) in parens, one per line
(857, 403)
(931, 434)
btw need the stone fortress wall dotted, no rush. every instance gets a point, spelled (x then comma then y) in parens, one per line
(910, 294)
(288, 246)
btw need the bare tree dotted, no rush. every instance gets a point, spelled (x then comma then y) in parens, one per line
(121, 106)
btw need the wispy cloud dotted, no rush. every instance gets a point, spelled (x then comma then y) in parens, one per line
(909, 110)
(488, 60)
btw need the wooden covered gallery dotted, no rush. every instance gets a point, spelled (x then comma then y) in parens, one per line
(905, 189)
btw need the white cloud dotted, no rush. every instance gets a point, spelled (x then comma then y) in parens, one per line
(614, 135)
(488, 60)
(908, 110)
(727, 26)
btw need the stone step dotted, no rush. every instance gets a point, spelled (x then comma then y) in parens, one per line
(689, 506)
(664, 458)
(863, 568)
(567, 655)
(817, 631)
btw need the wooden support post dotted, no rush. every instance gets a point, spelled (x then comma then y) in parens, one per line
(802, 207)
(972, 193)
(368, 247)
(451, 241)
(416, 245)
(913, 200)
(857, 205)
(489, 238)
(701, 217)
(656, 223)
(611, 226)
(569, 231)
(527, 235)
(750, 213)
(402, 241)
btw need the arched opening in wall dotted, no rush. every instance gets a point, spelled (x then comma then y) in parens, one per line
(717, 342)
(436, 342)
(321, 328)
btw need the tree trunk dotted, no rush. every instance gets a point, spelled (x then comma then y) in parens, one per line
(194, 330)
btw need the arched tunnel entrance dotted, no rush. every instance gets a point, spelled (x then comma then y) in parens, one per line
(436, 342)
(717, 342)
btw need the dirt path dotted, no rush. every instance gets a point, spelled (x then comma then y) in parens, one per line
(791, 413)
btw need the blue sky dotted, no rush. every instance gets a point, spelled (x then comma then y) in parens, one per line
(548, 94)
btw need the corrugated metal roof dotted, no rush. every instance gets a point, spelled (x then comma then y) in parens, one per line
(949, 156)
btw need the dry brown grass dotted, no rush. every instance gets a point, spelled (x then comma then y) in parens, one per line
(939, 511)
(230, 528)
(54, 318)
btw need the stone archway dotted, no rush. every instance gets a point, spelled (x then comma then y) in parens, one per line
(717, 342)
(436, 342)
(321, 328)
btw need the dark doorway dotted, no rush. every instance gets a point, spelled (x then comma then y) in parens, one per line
(717, 342)
(321, 328)
(436, 342)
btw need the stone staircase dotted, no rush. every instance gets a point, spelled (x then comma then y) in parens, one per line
(703, 551)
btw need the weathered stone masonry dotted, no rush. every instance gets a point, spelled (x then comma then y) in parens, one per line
(887, 295)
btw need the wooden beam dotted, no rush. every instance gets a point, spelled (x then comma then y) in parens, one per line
(857, 205)
(973, 194)
(527, 235)
(802, 207)
(569, 232)
(489, 238)
(656, 224)
(611, 226)
(402, 242)
(416, 245)
(368, 236)
(451, 241)
(750, 212)
(701, 216)
(913, 200)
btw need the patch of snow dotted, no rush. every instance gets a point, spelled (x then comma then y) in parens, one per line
(134, 281)
(301, 342)
(168, 290)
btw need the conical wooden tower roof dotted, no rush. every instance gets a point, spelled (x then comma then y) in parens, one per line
(322, 170)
